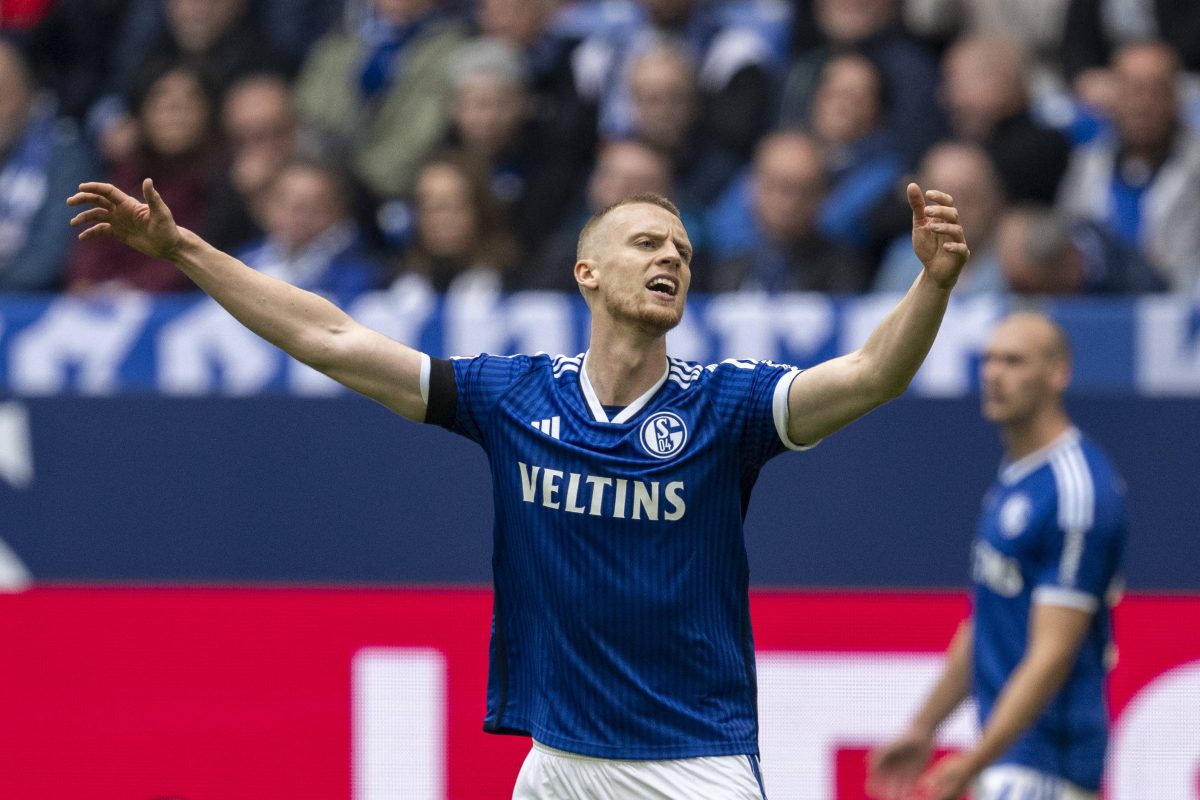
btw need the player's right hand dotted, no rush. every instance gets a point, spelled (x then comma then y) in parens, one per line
(893, 770)
(147, 227)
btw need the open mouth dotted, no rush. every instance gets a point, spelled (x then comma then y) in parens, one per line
(663, 285)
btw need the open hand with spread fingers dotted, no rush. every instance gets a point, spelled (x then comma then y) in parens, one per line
(937, 237)
(147, 227)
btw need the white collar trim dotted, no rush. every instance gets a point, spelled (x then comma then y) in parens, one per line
(1017, 470)
(628, 412)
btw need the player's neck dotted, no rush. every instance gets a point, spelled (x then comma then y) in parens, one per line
(1035, 433)
(622, 369)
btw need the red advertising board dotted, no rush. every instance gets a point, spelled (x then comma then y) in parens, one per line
(369, 694)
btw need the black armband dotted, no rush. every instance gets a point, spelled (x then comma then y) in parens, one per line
(443, 394)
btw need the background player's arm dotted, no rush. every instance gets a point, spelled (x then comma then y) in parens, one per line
(893, 769)
(305, 325)
(830, 395)
(1055, 635)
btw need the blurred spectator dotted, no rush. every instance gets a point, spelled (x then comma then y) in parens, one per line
(529, 27)
(1143, 182)
(846, 117)
(624, 168)
(492, 113)
(964, 171)
(220, 39)
(733, 46)
(261, 132)
(872, 28)
(459, 238)
(312, 238)
(1041, 252)
(177, 149)
(666, 115)
(1036, 26)
(42, 161)
(790, 253)
(984, 92)
(1098, 28)
(64, 52)
(378, 89)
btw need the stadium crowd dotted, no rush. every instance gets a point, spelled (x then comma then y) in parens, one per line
(343, 145)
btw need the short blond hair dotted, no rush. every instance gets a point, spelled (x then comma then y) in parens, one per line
(650, 198)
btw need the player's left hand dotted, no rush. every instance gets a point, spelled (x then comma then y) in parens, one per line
(947, 779)
(937, 237)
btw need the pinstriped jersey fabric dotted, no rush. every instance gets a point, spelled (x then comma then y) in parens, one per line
(621, 625)
(1052, 531)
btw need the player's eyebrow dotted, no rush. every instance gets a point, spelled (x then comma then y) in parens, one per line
(682, 245)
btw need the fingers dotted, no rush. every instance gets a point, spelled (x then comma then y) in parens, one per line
(81, 198)
(946, 213)
(102, 229)
(916, 200)
(153, 198)
(940, 198)
(91, 215)
(105, 190)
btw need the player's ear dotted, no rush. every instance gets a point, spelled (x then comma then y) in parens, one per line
(585, 273)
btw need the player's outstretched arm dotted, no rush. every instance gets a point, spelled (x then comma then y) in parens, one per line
(893, 770)
(303, 324)
(839, 391)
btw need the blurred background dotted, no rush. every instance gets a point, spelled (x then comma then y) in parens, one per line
(224, 576)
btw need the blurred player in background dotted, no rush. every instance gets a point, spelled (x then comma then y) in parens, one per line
(1046, 562)
(621, 625)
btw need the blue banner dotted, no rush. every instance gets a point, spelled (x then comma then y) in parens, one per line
(188, 346)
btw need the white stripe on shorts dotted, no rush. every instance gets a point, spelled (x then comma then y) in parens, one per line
(550, 774)
(1012, 782)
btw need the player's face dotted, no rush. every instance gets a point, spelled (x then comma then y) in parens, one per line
(1017, 374)
(643, 266)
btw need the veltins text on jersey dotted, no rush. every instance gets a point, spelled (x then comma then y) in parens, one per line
(598, 496)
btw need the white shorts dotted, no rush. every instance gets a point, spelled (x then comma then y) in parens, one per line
(1012, 782)
(550, 774)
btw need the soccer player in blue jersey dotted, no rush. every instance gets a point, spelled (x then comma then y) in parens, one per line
(621, 634)
(1046, 561)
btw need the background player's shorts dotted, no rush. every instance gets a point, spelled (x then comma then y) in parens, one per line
(550, 774)
(1011, 781)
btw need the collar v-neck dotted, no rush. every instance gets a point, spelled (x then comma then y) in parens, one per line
(1014, 471)
(627, 413)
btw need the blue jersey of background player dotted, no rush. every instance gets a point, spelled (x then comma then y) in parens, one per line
(1045, 567)
(621, 631)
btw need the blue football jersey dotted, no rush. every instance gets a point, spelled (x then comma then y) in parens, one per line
(621, 624)
(1052, 531)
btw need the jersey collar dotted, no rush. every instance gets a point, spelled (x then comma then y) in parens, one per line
(1016, 471)
(627, 413)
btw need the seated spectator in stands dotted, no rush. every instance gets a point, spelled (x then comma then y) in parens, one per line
(964, 171)
(984, 91)
(846, 117)
(624, 168)
(1036, 26)
(565, 118)
(312, 238)
(41, 156)
(872, 29)
(492, 115)
(1143, 182)
(261, 133)
(377, 91)
(220, 39)
(666, 115)
(1041, 252)
(1099, 28)
(790, 253)
(736, 49)
(177, 149)
(459, 239)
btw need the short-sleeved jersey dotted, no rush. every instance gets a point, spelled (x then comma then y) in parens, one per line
(621, 624)
(1052, 531)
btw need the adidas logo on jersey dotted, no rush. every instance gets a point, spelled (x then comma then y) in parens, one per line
(550, 427)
